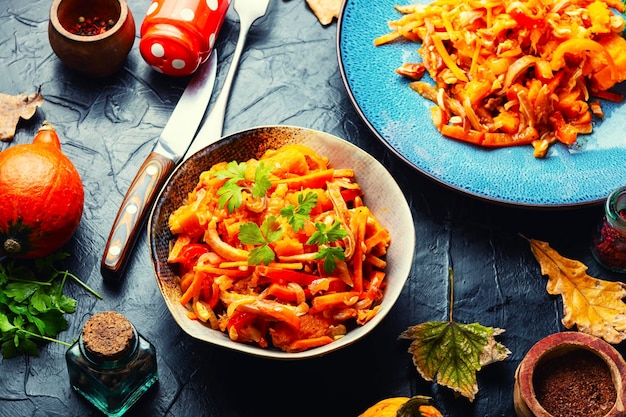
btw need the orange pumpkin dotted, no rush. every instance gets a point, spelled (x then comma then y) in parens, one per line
(416, 406)
(41, 197)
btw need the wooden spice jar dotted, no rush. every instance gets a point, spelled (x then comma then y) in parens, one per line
(95, 54)
(570, 374)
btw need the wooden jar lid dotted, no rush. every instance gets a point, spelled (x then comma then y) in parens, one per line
(108, 336)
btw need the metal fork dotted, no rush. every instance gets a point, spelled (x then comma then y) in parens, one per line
(249, 11)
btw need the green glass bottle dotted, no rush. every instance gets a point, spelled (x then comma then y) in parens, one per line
(111, 364)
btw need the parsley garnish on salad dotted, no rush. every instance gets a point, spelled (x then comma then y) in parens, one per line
(251, 234)
(324, 236)
(231, 193)
(296, 216)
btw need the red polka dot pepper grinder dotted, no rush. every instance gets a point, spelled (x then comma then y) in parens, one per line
(609, 238)
(177, 36)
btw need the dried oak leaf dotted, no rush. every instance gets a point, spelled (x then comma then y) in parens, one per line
(12, 108)
(452, 353)
(325, 10)
(593, 305)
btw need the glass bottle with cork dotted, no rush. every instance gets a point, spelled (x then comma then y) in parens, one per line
(111, 364)
(609, 238)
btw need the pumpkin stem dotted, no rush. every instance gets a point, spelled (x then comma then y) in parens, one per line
(47, 135)
(411, 408)
(12, 246)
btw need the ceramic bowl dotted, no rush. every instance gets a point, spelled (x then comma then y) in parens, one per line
(544, 355)
(97, 55)
(381, 194)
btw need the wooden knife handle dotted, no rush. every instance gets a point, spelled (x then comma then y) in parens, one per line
(132, 214)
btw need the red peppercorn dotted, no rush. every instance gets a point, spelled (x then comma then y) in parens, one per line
(91, 26)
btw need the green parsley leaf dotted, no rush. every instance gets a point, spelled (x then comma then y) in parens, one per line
(325, 235)
(261, 254)
(322, 237)
(262, 181)
(5, 325)
(234, 172)
(230, 196)
(231, 193)
(41, 301)
(20, 291)
(331, 255)
(336, 232)
(271, 229)
(296, 216)
(251, 234)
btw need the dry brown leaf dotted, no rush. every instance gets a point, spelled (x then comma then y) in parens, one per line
(325, 10)
(593, 305)
(12, 108)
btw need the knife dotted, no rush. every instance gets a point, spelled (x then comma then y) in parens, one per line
(177, 136)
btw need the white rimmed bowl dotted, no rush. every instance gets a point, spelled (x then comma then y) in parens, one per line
(381, 194)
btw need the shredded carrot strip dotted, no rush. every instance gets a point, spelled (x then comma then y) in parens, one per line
(359, 222)
(326, 301)
(375, 261)
(314, 180)
(193, 290)
(447, 59)
(304, 344)
(231, 272)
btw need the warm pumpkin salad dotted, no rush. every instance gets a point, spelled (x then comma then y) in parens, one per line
(514, 72)
(279, 251)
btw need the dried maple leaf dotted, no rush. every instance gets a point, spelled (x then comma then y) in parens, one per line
(452, 353)
(325, 10)
(12, 108)
(593, 305)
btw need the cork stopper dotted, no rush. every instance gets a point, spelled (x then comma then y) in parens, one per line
(108, 336)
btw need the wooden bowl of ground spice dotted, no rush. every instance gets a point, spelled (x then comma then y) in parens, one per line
(570, 374)
(91, 37)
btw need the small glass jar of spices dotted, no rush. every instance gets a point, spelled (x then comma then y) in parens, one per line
(609, 238)
(111, 364)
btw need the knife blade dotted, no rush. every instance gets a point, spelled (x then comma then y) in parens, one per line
(173, 142)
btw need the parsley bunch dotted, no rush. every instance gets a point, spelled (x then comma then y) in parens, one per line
(32, 304)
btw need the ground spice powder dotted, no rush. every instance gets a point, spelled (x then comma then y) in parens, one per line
(575, 384)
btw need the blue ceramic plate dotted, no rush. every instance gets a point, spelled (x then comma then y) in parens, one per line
(583, 174)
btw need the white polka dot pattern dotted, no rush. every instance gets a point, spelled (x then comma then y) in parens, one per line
(178, 64)
(157, 50)
(187, 14)
(167, 43)
(152, 8)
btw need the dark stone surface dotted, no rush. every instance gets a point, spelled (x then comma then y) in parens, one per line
(288, 75)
